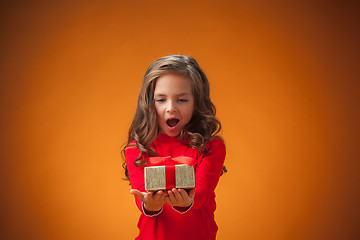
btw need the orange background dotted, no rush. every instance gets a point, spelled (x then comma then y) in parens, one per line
(284, 78)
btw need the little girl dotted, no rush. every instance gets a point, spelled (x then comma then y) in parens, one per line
(175, 118)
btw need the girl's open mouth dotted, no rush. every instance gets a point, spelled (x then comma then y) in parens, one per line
(172, 122)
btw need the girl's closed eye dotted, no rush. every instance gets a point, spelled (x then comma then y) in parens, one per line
(160, 100)
(182, 100)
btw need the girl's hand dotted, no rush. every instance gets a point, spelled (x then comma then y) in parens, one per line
(180, 198)
(152, 201)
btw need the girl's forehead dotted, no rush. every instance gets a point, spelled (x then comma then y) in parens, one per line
(173, 84)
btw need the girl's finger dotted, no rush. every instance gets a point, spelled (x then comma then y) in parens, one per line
(163, 195)
(192, 193)
(171, 197)
(168, 201)
(158, 195)
(148, 196)
(177, 195)
(183, 194)
(138, 194)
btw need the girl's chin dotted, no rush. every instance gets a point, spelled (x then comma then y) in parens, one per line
(171, 132)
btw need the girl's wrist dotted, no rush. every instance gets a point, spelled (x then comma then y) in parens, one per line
(183, 210)
(151, 209)
(151, 213)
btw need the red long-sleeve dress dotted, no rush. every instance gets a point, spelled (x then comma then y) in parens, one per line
(196, 222)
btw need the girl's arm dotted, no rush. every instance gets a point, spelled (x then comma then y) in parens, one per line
(207, 177)
(208, 172)
(148, 203)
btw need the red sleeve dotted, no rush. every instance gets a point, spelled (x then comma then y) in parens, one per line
(136, 174)
(208, 172)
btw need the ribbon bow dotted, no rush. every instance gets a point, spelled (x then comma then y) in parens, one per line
(168, 161)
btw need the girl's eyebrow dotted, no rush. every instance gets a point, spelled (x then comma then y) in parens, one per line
(180, 94)
(185, 93)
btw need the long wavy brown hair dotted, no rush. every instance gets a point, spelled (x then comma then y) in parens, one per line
(203, 125)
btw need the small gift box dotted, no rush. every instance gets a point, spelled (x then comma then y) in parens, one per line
(169, 177)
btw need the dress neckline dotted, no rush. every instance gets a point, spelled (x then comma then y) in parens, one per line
(163, 137)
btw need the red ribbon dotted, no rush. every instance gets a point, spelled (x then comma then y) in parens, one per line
(170, 177)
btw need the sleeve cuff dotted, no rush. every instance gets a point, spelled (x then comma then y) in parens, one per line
(151, 213)
(183, 210)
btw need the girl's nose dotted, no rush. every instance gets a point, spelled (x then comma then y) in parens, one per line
(170, 108)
